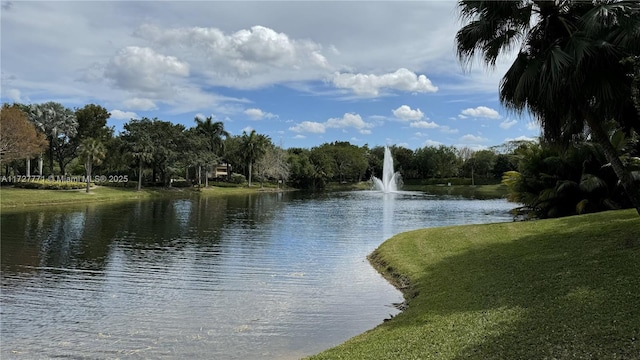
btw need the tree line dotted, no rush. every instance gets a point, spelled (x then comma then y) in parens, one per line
(49, 139)
(548, 179)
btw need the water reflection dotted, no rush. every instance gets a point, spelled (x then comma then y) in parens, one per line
(246, 277)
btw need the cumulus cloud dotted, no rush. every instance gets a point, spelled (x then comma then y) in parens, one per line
(468, 139)
(140, 104)
(123, 115)
(424, 125)
(258, 114)
(348, 120)
(15, 95)
(432, 143)
(371, 84)
(405, 112)
(143, 69)
(242, 53)
(247, 129)
(507, 124)
(447, 130)
(479, 112)
(309, 127)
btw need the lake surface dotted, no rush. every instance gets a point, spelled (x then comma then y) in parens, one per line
(262, 276)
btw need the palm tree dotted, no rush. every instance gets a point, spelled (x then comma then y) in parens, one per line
(92, 151)
(253, 147)
(213, 133)
(568, 71)
(59, 124)
(138, 142)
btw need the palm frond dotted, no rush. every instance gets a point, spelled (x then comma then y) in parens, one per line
(591, 183)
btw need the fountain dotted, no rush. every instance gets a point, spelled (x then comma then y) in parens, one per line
(390, 179)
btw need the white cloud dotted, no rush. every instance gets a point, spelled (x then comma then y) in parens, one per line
(247, 129)
(371, 84)
(424, 125)
(467, 139)
(299, 136)
(143, 69)
(348, 120)
(309, 127)
(533, 126)
(140, 104)
(479, 112)
(15, 95)
(123, 115)
(259, 55)
(431, 143)
(257, 114)
(507, 124)
(447, 130)
(405, 112)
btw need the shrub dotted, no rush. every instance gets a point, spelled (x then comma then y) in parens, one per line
(238, 179)
(51, 185)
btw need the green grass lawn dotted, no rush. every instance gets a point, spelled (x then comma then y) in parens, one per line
(565, 288)
(17, 199)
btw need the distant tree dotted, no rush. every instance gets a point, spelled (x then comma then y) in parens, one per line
(503, 164)
(19, 138)
(349, 162)
(274, 164)
(138, 144)
(60, 125)
(168, 140)
(92, 123)
(444, 160)
(92, 151)
(213, 133)
(403, 161)
(253, 147)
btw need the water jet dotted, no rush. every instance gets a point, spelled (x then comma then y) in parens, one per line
(390, 179)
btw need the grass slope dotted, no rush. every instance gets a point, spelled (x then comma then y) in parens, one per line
(565, 288)
(16, 199)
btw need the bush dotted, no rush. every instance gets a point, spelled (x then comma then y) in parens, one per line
(181, 183)
(51, 185)
(238, 179)
(225, 184)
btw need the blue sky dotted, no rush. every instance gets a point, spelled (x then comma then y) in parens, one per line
(302, 72)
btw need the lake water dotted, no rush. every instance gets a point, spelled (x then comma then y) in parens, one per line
(263, 276)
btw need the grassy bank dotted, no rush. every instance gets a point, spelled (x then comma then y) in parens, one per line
(555, 289)
(13, 198)
(492, 191)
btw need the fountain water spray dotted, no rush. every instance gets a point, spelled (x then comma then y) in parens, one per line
(390, 179)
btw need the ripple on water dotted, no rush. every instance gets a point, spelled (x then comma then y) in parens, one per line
(267, 276)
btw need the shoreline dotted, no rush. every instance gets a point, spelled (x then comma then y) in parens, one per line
(16, 199)
(560, 286)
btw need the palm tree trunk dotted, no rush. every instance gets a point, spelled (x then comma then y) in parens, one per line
(199, 175)
(51, 157)
(28, 169)
(601, 137)
(88, 165)
(250, 170)
(206, 176)
(139, 175)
